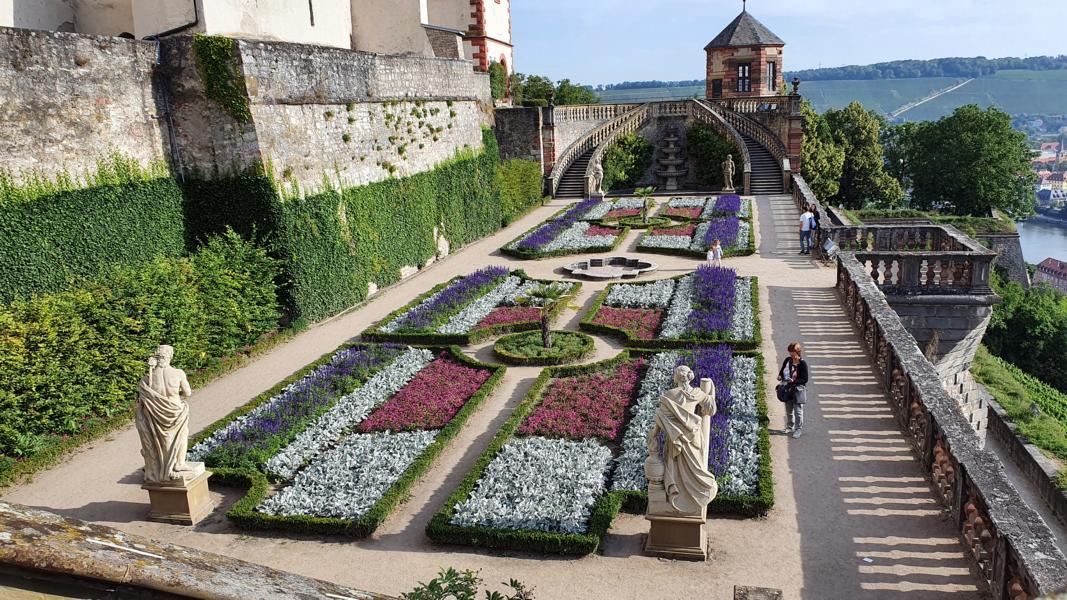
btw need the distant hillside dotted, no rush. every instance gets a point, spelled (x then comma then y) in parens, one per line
(938, 67)
(1017, 92)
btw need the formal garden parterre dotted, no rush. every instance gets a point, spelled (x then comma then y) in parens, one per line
(725, 218)
(346, 438)
(468, 309)
(572, 454)
(569, 231)
(710, 305)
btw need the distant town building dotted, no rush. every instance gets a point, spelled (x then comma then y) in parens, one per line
(1053, 272)
(478, 30)
(1057, 182)
(745, 60)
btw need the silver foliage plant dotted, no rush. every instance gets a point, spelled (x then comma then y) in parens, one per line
(690, 202)
(346, 481)
(575, 238)
(678, 242)
(742, 321)
(699, 239)
(630, 464)
(473, 313)
(348, 412)
(676, 321)
(646, 295)
(538, 484)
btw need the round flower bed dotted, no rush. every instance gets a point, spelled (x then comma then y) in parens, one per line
(639, 223)
(526, 348)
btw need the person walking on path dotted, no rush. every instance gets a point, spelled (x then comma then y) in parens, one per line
(715, 254)
(794, 374)
(806, 221)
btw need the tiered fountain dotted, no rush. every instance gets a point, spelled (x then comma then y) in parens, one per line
(669, 160)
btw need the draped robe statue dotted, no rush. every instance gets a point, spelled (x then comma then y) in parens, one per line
(596, 181)
(680, 471)
(728, 169)
(162, 417)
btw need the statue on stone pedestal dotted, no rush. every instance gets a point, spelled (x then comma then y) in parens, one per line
(728, 173)
(680, 465)
(163, 420)
(596, 181)
(796, 86)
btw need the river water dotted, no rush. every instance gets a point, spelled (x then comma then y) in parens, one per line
(1043, 238)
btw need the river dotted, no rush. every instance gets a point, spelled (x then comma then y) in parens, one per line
(1043, 238)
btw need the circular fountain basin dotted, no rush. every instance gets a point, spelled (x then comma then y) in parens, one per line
(616, 267)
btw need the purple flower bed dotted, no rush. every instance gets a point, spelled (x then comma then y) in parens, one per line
(714, 363)
(552, 229)
(264, 433)
(729, 204)
(713, 300)
(451, 299)
(723, 229)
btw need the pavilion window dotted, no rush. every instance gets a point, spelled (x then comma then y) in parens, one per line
(772, 73)
(744, 77)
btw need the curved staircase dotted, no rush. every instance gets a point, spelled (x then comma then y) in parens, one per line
(572, 184)
(766, 176)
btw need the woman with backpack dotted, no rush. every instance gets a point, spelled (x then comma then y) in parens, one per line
(793, 389)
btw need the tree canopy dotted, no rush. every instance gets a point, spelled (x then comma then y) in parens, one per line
(535, 90)
(864, 181)
(821, 159)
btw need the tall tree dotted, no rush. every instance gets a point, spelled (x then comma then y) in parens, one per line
(820, 157)
(864, 181)
(898, 143)
(973, 161)
(570, 93)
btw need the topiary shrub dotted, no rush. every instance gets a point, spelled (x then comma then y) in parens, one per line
(626, 161)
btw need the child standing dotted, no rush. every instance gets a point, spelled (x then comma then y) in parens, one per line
(715, 254)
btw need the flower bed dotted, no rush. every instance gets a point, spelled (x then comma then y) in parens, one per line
(489, 312)
(528, 349)
(713, 305)
(352, 464)
(559, 489)
(734, 234)
(568, 232)
(614, 209)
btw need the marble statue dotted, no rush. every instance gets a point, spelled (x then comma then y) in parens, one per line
(163, 420)
(680, 485)
(728, 169)
(596, 181)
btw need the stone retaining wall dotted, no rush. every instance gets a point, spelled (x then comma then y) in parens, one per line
(1009, 255)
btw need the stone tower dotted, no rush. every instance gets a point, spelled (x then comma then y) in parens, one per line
(745, 60)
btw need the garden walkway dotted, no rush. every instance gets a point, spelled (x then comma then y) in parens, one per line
(853, 518)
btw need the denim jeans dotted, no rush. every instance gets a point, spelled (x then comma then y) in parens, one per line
(805, 241)
(794, 415)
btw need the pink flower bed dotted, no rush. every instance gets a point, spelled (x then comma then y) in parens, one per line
(595, 230)
(430, 400)
(682, 230)
(508, 315)
(619, 213)
(640, 323)
(588, 405)
(688, 213)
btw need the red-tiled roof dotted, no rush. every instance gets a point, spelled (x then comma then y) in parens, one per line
(1053, 266)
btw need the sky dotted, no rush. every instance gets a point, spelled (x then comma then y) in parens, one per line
(609, 41)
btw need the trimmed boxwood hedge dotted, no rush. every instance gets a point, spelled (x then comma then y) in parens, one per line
(587, 324)
(374, 333)
(244, 515)
(54, 231)
(585, 348)
(639, 223)
(441, 530)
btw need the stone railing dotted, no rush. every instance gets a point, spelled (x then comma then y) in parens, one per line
(759, 132)
(671, 109)
(760, 104)
(803, 197)
(704, 113)
(590, 112)
(934, 273)
(1015, 551)
(900, 238)
(599, 138)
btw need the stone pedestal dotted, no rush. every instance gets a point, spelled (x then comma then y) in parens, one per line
(181, 502)
(682, 538)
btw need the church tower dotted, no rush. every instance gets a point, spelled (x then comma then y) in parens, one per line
(745, 60)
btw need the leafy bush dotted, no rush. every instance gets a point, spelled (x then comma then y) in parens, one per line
(454, 585)
(1040, 312)
(498, 80)
(72, 358)
(520, 187)
(707, 151)
(526, 348)
(54, 230)
(626, 161)
(970, 225)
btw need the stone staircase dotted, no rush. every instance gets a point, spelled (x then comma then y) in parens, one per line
(572, 184)
(766, 172)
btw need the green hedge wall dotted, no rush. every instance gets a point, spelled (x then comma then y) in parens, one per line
(70, 361)
(334, 243)
(520, 188)
(52, 231)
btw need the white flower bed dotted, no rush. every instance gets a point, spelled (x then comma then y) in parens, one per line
(665, 241)
(677, 320)
(202, 449)
(538, 484)
(473, 313)
(744, 231)
(742, 467)
(648, 295)
(698, 242)
(630, 464)
(601, 210)
(574, 238)
(347, 412)
(746, 208)
(742, 325)
(347, 481)
(688, 202)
